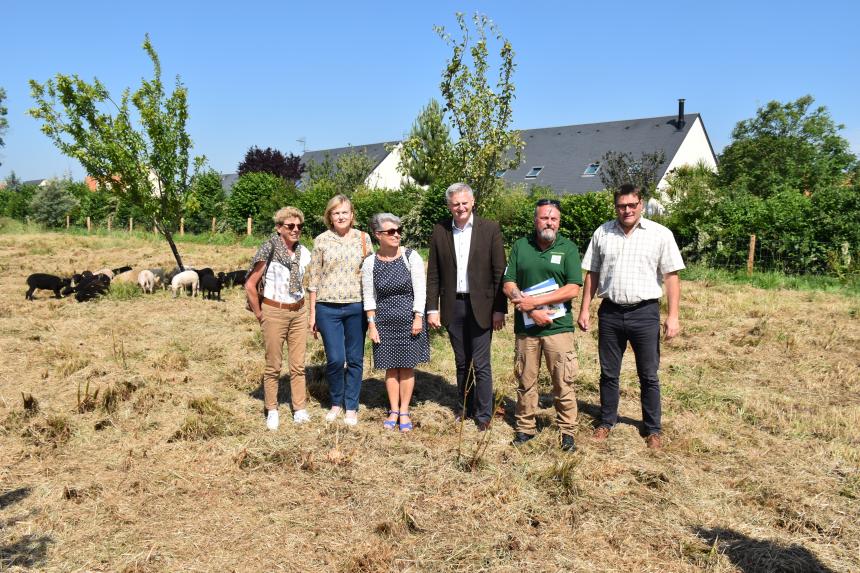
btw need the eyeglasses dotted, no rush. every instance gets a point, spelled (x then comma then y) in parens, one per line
(392, 232)
(554, 202)
(291, 226)
(625, 206)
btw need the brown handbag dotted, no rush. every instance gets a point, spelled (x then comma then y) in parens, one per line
(261, 284)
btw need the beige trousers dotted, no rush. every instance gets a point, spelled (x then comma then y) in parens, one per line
(560, 356)
(280, 325)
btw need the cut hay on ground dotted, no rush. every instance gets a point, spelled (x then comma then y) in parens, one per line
(169, 466)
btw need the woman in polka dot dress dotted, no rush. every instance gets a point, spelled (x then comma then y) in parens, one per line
(393, 283)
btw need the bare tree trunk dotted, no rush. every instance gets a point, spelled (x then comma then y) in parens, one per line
(169, 236)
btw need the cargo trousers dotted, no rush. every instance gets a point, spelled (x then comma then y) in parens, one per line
(560, 356)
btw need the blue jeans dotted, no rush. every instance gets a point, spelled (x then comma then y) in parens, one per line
(640, 326)
(342, 328)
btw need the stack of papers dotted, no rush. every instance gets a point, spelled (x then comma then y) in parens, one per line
(557, 310)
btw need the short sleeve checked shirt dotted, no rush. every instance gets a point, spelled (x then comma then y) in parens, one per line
(632, 267)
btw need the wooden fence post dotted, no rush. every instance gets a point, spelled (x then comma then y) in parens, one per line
(67, 221)
(250, 225)
(130, 224)
(182, 226)
(27, 218)
(213, 225)
(89, 225)
(751, 255)
(110, 220)
(154, 229)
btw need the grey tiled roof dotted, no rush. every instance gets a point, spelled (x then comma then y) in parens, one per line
(35, 182)
(565, 152)
(375, 151)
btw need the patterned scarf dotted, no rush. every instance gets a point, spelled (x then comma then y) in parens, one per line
(282, 256)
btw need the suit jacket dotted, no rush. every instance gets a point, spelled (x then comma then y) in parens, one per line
(485, 269)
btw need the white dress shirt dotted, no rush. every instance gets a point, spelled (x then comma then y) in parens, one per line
(462, 244)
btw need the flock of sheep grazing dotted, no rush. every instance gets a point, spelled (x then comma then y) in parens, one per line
(88, 285)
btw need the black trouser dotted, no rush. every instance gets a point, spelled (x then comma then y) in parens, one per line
(640, 325)
(471, 345)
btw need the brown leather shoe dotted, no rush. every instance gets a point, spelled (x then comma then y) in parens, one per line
(654, 442)
(600, 434)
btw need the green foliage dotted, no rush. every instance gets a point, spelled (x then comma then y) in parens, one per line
(312, 201)
(15, 199)
(206, 200)
(428, 209)
(786, 146)
(618, 168)
(50, 204)
(426, 153)
(368, 202)
(347, 173)
(582, 214)
(257, 195)
(513, 210)
(4, 123)
(481, 115)
(146, 166)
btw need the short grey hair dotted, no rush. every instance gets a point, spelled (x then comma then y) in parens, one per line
(377, 220)
(458, 188)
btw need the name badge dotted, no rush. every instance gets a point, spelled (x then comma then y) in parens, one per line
(555, 259)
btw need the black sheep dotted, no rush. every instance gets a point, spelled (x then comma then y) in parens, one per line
(120, 270)
(233, 278)
(210, 285)
(92, 287)
(46, 282)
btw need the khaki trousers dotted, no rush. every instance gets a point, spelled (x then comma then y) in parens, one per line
(279, 325)
(560, 356)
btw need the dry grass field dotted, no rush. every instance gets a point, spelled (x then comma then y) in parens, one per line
(144, 446)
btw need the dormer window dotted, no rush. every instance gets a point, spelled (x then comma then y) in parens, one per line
(534, 172)
(501, 173)
(591, 170)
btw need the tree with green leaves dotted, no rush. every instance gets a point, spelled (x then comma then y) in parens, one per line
(426, 152)
(141, 155)
(347, 173)
(786, 146)
(257, 195)
(52, 202)
(481, 115)
(4, 123)
(206, 200)
(618, 168)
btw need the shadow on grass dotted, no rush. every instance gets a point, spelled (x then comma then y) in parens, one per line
(755, 556)
(28, 551)
(14, 496)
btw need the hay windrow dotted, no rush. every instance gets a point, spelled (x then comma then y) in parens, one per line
(170, 467)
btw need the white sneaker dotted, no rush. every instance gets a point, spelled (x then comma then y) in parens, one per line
(332, 414)
(301, 416)
(272, 420)
(351, 418)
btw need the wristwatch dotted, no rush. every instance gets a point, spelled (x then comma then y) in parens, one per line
(371, 319)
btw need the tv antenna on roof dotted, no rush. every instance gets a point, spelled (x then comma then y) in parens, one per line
(304, 143)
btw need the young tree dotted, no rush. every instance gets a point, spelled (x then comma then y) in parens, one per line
(426, 152)
(618, 168)
(51, 203)
(206, 200)
(4, 123)
(481, 115)
(786, 146)
(288, 168)
(347, 173)
(146, 166)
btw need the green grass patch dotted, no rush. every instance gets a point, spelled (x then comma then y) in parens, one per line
(124, 291)
(773, 280)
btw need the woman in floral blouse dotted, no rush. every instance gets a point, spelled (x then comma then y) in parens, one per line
(335, 305)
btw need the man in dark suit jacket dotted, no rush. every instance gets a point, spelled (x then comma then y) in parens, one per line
(464, 293)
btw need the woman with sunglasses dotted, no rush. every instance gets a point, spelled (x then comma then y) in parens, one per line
(394, 297)
(335, 305)
(280, 263)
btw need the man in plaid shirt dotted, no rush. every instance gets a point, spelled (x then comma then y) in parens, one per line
(627, 262)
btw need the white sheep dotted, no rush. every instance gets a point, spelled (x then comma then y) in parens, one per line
(104, 271)
(184, 279)
(129, 277)
(147, 281)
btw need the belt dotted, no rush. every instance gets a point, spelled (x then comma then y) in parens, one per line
(462, 295)
(284, 305)
(633, 306)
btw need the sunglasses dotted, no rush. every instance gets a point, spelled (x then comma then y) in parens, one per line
(554, 202)
(625, 206)
(392, 232)
(291, 226)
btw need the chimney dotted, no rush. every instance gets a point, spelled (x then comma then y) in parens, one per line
(680, 123)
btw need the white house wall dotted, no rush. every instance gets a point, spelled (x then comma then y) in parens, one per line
(386, 176)
(694, 148)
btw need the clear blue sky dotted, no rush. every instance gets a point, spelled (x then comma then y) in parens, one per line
(268, 73)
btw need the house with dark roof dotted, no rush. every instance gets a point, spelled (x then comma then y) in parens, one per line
(568, 158)
(384, 174)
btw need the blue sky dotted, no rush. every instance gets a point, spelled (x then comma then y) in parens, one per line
(270, 73)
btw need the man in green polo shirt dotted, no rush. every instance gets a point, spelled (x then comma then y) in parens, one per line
(542, 277)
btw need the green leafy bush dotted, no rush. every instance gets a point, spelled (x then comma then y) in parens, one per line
(257, 195)
(50, 204)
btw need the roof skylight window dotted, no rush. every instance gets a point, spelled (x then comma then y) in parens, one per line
(534, 172)
(591, 170)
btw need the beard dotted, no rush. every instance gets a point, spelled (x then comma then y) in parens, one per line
(547, 235)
